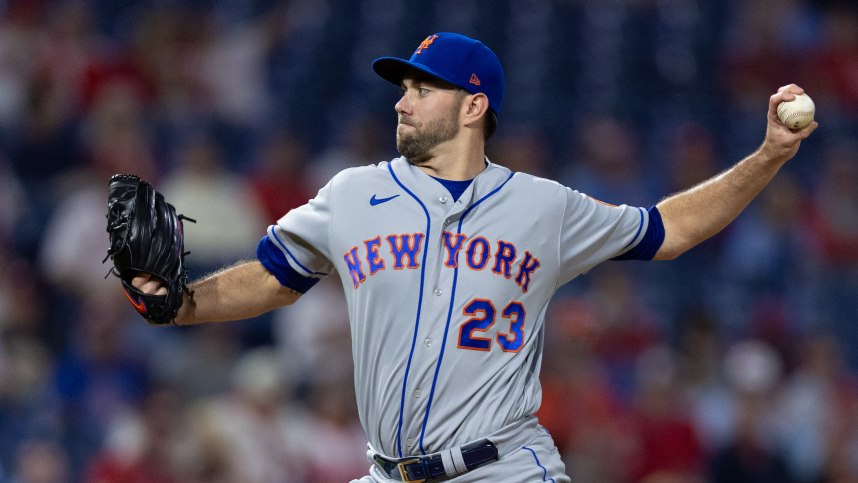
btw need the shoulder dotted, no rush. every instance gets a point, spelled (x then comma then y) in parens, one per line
(522, 182)
(361, 174)
(552, 194)
(542, 187)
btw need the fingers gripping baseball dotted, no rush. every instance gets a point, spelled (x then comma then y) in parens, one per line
(781, 142)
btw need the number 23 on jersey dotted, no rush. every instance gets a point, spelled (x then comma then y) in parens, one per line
(483, 315)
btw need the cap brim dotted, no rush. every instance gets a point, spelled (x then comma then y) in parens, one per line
(393, 69)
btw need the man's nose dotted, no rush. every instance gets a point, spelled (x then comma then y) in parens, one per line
(403, 106)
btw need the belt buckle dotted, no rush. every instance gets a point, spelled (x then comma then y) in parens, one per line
(404, 473)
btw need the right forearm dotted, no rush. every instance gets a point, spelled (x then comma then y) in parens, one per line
(240, 291)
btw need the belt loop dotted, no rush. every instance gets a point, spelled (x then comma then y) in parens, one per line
(459, 460)
(449, 464)
(454, 462)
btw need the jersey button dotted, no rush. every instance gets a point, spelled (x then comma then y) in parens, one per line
(427, 342)
(417, 394)
(437, 292)
(443, 199)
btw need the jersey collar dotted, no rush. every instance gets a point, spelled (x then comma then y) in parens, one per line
(422, 185)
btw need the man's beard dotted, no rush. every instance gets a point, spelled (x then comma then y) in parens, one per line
(416, 145)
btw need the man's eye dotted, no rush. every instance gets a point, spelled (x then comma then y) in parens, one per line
(423, 91)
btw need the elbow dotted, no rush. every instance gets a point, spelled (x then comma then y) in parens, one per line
(671, 250)
(667, 255)
(678, 239)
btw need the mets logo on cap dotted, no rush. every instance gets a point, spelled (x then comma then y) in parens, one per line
(454, 58)
(425, 44)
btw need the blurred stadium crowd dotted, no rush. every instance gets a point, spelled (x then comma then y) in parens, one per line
(735, 363)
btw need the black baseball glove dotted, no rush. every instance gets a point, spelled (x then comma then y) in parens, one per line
(146, 237)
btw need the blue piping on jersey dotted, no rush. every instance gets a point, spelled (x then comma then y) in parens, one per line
(640, 227)
(544, 469)
(283, 247)
(650, 241)
(450, 311)
(419, 309)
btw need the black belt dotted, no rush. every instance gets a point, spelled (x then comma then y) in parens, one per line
(418, 469)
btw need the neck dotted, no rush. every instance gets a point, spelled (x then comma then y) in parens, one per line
(454, 161)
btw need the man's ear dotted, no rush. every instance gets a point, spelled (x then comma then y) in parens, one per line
(476, 106)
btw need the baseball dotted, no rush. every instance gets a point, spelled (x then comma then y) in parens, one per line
(797, 113)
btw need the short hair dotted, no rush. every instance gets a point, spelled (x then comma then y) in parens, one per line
(490, 124)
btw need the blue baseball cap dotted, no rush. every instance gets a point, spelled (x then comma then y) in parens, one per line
(454, 58)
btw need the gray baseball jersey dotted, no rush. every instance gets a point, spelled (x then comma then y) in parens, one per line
(446, 298)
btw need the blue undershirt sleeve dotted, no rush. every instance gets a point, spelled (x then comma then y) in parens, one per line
(651, 241)
(273, 259)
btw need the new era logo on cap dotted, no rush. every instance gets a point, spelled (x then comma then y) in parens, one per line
(454, 58)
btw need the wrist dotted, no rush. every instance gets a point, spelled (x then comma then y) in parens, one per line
(770, 155)
(184, 316)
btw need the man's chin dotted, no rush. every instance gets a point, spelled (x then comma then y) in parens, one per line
(409, 151)
(412, 156)
(417, 160)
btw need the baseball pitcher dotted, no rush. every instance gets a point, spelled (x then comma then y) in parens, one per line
(448, 262)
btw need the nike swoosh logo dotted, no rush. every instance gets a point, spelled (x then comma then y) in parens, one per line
(377, 201)
(136, 302)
